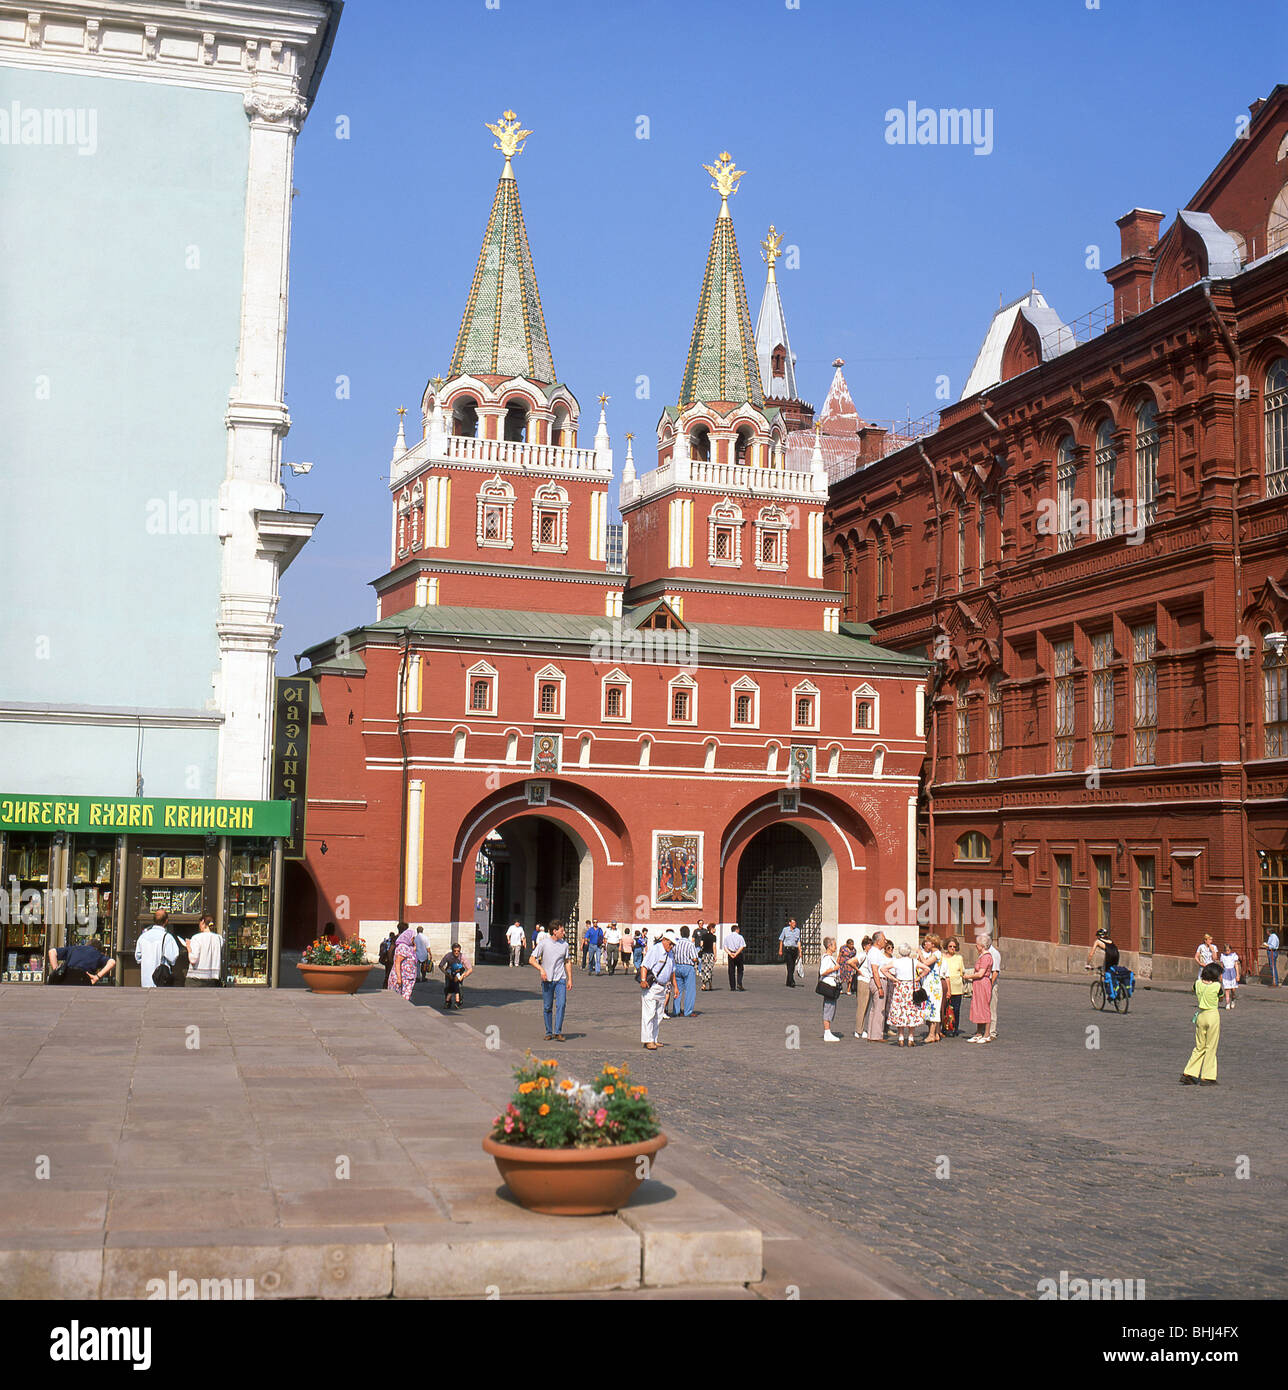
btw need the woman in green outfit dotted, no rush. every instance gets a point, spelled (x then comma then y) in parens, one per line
(1200, 1070)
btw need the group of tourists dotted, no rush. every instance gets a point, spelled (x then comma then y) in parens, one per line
(899, 989)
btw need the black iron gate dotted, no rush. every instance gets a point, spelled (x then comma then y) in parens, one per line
(779, 876)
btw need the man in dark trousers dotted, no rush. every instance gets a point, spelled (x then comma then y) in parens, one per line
(735, 948)
(789, 946)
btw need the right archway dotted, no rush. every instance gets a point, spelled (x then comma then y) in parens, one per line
(783, 874)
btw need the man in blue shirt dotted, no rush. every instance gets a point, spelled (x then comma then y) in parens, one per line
(595, 940)
(656, 974)
(789, 946)
(86, 963)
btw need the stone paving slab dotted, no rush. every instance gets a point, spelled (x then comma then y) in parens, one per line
(321, 1148)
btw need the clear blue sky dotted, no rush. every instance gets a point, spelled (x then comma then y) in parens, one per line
(903, 249)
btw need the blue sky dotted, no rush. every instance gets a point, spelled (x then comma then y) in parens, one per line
(903, 249)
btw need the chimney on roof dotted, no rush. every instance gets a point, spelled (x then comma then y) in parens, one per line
(1256, 106)
(1130, 278)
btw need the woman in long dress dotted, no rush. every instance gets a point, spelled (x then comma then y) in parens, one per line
(903, 973)
(981, 996)
(933, 984)
(403, 975)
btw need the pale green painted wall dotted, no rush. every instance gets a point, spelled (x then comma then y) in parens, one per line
(120, 283)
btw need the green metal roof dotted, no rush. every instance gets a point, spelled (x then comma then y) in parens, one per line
(715, 639)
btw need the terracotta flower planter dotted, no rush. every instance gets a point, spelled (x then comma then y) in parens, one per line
(572, 1182)
(334, 979)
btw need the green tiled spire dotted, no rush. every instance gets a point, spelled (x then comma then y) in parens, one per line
(503, 331)
(722, 364)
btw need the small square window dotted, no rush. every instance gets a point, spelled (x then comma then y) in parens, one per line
(743, 709)
(769, 548)
(549, 701)
(480, 695)
(805, 710)
(680, 705)
(492, 523)
(724, 543)
(863, 714)
(548, 528)
(615, 702)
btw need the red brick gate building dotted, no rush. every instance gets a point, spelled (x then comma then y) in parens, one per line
(1092, 545)
(656, 726)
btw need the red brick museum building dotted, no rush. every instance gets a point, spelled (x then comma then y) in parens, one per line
(655, 723)
(1092, 546)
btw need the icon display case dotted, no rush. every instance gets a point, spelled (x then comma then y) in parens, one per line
(92, 879)
(248, 914)
(27, 860)
(172, 880)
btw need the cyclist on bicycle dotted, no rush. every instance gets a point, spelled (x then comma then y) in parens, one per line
(1115, 976)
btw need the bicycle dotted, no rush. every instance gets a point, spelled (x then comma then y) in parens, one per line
(1115, 987)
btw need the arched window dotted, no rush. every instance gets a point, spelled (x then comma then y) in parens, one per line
(700, 444)
(742, 444)
(1275, 692)
(1106, 467)
(478, 695)
(963, 733)
(1066, 482)
(516, 422)
(1146, 464)
(465, 416)
(973, 845)
(1277, 225)
(885, 571)
(1276, 409)
(560, 433)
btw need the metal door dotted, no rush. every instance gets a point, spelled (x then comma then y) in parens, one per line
(779, 876)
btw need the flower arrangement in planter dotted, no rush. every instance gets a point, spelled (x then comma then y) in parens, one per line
(329, 967)
(326, 952)
(568, 1148)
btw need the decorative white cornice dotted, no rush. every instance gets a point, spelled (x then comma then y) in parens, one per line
(275, 110)
(260, 47)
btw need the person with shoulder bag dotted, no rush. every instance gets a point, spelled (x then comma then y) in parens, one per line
(205, 956)
(829, 987)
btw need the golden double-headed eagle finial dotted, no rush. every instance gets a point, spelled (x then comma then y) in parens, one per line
(724, 173)
(772, 247)
(510, 137)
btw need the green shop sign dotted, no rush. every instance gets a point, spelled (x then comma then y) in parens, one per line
(151, 815)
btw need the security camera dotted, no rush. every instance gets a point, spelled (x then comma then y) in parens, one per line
(298, 468)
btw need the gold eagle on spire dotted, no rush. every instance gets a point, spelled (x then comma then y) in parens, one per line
(772, 246)
(509, 137)
(725, 175)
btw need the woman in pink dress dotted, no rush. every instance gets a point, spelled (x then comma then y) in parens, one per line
(981, 996)
(405, 969)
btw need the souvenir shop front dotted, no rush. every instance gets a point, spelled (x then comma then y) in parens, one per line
(73, 868)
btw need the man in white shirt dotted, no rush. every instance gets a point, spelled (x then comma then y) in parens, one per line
(205, 955)
(154, 945)
(1272, 955)
(422, 952)
(613, 943)
(658, 963)
(735, 950)
(874, 1029)
(514, 938)
(551, 957)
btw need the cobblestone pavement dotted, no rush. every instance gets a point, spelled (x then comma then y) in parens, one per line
(1055, 1154)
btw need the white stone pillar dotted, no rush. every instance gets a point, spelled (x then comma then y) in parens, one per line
(257, 422)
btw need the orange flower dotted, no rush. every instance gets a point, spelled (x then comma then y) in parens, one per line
(543, 1110)
(608, 1090)
(639, 1091)
(610, 1071)
(566, 1085)
(526, 1086)
(543, 1082)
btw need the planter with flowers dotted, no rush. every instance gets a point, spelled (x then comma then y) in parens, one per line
(331, 968)
(569, 1149)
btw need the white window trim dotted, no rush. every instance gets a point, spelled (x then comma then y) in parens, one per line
(496, 493)
(866, 692)
(482, 671)
(745, 686)
(682, 682)
(808, 689)
(616, 677)
(725, 515)
(543, 677)
(772, 521)
(550, 498)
